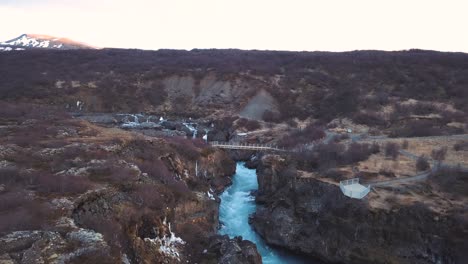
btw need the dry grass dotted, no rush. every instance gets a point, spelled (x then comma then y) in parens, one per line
(402, 166)
(405, 194)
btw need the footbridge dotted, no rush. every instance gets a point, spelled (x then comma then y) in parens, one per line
(245, 146)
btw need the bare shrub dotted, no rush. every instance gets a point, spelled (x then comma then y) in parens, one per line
(334, 174)
(422, 164)
(10, 176)
(387, 172)
(439, 154)
(64, 184)
(269, 116)
(184, 147)
(417, 128)
(405, 144)
(12, 200)
(358, 152)
(323, 157)
(461, 145)
(424, 108)
(252, 125)
(452, 180)
(111, 230)
(112, 172)
(156, 170)
(19, 212)
(307, 135)
(180, 190)
(248, 124)
(149, 195)
(392, 150)
(369, 118)
(225, 123)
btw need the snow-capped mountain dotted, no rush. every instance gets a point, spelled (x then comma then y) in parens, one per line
(33, 41)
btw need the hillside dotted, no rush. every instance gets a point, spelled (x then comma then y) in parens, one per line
(373, 88)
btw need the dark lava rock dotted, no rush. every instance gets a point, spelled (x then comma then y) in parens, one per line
(171, 125)
(234, 251)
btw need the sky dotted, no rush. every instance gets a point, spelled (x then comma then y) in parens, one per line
(326, 25)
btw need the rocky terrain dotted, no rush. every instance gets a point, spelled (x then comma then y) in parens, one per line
(104, 154)
(313, 217)
(74, 192)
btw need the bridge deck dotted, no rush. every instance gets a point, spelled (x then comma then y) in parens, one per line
(245, 146)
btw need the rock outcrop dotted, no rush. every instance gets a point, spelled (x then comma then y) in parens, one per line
(117, 197)
(315, 219)
(232, 251)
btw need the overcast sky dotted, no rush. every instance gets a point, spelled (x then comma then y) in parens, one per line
(333, 25)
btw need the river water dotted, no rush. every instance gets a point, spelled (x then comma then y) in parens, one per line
(236, 206)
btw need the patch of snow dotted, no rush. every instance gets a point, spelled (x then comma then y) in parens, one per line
(44, 44)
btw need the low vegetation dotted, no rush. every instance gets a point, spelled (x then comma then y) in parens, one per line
(324, 157)
(392, 150)
(422, 164)
(298, 137)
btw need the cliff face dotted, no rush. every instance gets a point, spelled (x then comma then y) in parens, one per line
(314, 218)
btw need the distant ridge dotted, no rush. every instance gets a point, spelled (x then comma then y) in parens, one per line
(37, 41)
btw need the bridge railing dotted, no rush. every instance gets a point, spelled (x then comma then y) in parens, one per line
(353, 194)
(243, 145)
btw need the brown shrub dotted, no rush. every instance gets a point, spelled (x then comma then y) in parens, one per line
(405, 144)
(358, 152)
(248, 124)
(369, 118)
(112, 172)
(422, 164)
(461, 145)
(184, 147)
(149, 195)
(334, 174)
(418, 128)
(10, 175)
(387, 172)
(156, 170)
(439, 154)
(19, 212)
(111, 230)
(307, 135)
(452, 180)
(392, 150)
(269, 116)
(47, 183)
